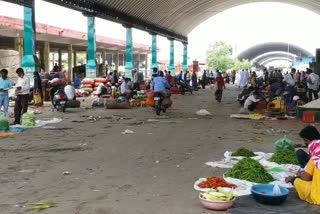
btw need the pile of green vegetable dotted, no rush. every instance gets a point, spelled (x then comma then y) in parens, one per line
(4, 123)
(250, 170)
(139, 97)
(243, 152)
(285, 156)
(28, 119)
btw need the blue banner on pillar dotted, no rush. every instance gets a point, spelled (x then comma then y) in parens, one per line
(28, 63)
(91, 68)
(185, 57)
(172, 67)
(129, 57)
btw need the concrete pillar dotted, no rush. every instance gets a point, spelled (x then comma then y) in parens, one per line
(29, 60)
(146, 68)
(70, 70)
(75, 63)
(60, 59)
(103, 61)
(46, 56)
(129, 56)
(138, 62)
(117, 61)
(53, 59)
(18, 46)
(91, 68)
(154, 53)
(171, 67)
(185, 57)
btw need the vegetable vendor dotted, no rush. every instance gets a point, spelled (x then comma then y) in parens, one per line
(5, 85)
(307, 183)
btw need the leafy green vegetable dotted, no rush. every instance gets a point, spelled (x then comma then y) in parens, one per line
(285, 156)
(244, 153)
(250, 170)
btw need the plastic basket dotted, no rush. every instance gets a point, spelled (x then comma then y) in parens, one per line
(309, 117)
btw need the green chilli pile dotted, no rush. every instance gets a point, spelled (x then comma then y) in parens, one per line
(250, 170)
(243, 152)
(285, 156)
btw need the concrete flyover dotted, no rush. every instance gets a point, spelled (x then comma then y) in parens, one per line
(279, 47)
(270, 55)
(169, 18)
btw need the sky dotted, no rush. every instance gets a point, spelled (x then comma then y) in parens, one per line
(242, 27)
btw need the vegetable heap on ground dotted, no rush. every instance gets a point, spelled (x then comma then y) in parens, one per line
(28, 119)
(244, 153)
(250, 170)
(215, 182)
(285, 156)
(221, 195)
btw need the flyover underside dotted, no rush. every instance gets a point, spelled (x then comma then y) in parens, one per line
(169, 18)
(261, 49)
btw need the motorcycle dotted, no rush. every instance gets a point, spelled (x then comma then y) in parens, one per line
(184, 86)
(58, 97)
(162, 102)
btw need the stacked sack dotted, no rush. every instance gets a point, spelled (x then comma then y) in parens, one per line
(97, 82)
(87, 85)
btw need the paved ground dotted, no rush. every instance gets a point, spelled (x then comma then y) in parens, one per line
(150, 171)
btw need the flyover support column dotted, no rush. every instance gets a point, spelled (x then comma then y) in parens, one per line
(70, 67)
(154, 53)
(29, 60)
(46, 56)
(185, 57)
(129, 56)
(171, 67)
(91, 68)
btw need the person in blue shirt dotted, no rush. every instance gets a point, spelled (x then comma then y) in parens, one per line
(5, 85)
(160, 83)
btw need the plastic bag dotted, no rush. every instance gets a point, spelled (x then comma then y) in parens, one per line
(284, 143)
(4, 123)
(276, 190)
(203, 112)
(28, 119)
(37, 99)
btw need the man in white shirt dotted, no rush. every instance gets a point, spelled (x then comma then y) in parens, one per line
(250, 104)
(289, 79)
(124, 89)
(22, 92)
(70, 91)
(313, 84)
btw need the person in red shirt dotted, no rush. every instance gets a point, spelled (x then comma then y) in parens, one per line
(220, 85)
(170, 78)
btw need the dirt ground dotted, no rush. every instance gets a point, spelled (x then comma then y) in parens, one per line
(150, 171)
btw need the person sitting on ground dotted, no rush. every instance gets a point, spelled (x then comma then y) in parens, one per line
(251, 103)
(101, 90)
(160, 84)
(306, 182)
(70, 91)
(275, 88)
(124, 89)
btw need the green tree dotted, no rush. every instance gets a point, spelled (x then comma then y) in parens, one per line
(242, 65)
(219, 57)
